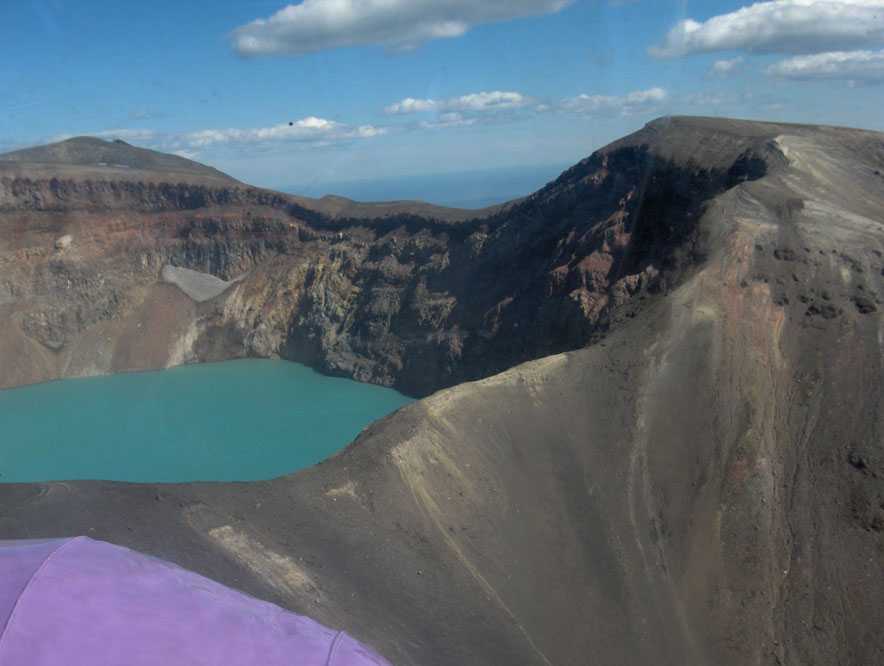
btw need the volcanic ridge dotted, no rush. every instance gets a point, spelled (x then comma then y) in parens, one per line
(651, 429)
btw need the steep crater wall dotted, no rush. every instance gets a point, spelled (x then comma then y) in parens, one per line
(404, 301)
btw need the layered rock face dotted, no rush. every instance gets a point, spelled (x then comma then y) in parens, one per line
(398, 299)
(702, 485)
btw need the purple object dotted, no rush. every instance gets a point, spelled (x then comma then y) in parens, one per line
(79, 602)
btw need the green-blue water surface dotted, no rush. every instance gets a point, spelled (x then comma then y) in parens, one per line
(233, 421)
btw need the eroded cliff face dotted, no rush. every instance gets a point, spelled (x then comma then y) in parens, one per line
(64, 194)
(402, 300)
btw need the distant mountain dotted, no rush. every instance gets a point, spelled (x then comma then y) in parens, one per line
(113, 156)
(471, 189)
(97, 160)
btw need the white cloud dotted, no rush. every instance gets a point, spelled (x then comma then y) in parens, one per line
(128, 134)
(639, 100)
(412, 105)
(480, 107)
(856, 66)
(781, 26)
(448, 120)
(726, 67)
(123, 134)
(315, 25)
(307, 129)
(187, 154)
(310, 130)
(474, 102)
(489, 101)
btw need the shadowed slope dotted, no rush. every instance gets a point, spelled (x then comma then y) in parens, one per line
(702, 486)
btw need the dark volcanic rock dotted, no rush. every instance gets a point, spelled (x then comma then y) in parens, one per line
(865, 305)
(824, 310)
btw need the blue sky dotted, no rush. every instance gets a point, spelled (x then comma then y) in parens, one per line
(500, 84)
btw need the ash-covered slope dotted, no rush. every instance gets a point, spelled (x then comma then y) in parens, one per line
(703, 485)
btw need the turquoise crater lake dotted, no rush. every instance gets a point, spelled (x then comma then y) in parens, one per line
(235, 421)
